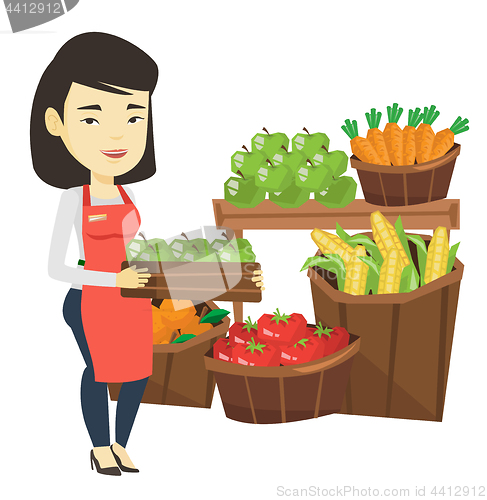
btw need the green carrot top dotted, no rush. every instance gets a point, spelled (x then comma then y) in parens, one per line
(373, 118)
(394, 113)
(430, 115)
(350, 129)
(459, 126)
(415, 117)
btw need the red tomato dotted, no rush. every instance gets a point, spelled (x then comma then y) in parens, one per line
(338, 340)
(333, 339)
(281, 329)
(241, 333)
(303, 351)
(223, 350)
(253, 354)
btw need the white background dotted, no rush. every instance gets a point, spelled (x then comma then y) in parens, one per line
(226, 70)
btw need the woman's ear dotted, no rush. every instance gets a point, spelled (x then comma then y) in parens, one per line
(54, 123)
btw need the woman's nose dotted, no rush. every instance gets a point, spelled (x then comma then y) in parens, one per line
(116, 138)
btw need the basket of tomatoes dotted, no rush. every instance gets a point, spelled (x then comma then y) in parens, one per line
(404, 166)
(282, 369)
(183, 332)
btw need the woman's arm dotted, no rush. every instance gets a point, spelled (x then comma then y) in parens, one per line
(63, 226)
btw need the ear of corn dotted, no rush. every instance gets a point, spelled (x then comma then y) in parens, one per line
(437, 256)
(331, 244)
(390, 273)
(386, 237)
(356, 273)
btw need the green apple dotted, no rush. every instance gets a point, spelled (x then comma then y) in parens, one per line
(291, 159)
(247, 162)
(237, 250)
(273, 178)
(292, 197)
(313, 177)
(269, 144)
(211, 257)
(340, 193)
(309, 144)
(217, 244)
(243, 193)
(180, 247)
(336, 161)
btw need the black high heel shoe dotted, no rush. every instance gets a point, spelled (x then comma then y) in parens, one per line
(110, 471)
(122, 467)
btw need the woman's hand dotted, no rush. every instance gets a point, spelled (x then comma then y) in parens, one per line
(258, 279)
(130, 278)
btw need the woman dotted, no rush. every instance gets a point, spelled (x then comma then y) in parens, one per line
(91, 132)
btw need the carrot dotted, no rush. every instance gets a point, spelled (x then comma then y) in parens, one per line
(409, 136)
(425, 135)
(374, 135)
(361, 147)
(444, 139)
(393, 135)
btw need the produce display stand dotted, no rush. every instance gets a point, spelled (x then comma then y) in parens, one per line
(355, 216)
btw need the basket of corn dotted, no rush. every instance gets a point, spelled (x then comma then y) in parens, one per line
(399, 167)
(399, 293)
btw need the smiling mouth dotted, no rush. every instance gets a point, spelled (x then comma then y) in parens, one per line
(114, 153)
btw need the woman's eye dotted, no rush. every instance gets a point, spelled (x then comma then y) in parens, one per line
(90, 121)
(135, 119)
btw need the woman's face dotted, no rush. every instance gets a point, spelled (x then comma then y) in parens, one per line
(105, 132)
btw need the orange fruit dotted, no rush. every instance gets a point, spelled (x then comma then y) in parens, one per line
(195, 328)
(177, 314)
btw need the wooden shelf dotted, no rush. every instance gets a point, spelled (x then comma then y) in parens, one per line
(356, 215)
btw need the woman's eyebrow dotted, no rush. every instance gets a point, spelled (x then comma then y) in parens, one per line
(96, 107)
(135, 106)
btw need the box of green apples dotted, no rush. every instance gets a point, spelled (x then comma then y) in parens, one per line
(290, 176)
(197, 269)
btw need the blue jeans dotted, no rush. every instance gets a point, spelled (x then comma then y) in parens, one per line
(94, 395)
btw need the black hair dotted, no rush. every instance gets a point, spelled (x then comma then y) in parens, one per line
(88, 59)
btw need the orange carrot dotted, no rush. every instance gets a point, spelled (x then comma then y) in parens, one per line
(374, 135)
(409, 137)
(444, 140)
(361, 147)
(393, 135)
(425, 135)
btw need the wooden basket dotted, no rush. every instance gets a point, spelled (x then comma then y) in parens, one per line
(406, 341)
(179, 376)
(387, 185)
(278, 394)
(197, 281)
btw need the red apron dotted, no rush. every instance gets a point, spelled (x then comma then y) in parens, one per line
(118, 329)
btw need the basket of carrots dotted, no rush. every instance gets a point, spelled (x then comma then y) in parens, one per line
(399, 167)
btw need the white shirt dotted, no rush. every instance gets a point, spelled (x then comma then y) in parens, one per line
(69, 214)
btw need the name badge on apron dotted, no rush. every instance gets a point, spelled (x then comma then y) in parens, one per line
(94, 218)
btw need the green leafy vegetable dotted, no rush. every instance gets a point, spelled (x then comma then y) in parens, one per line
(183, 338)
(215, 316)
